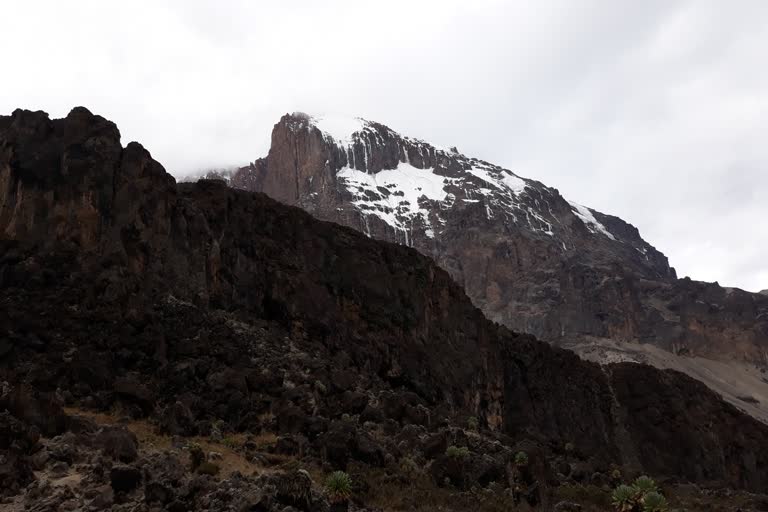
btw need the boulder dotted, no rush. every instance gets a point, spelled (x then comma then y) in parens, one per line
(124, 478)
(117, 442)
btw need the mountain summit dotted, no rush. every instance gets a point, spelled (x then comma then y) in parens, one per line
(528, 257)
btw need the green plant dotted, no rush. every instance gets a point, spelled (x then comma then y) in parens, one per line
(645, 485)
(338, 487)
(624, 498)
(208, 468)
(409, 466)
(230, 442)
(472, 423)
(521, 459)
(196, 455)
(320, 387)
(456, 452)
(654, 502)
(217, 430)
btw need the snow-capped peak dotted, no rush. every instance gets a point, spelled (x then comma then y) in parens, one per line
(340, 129)
(408, 183)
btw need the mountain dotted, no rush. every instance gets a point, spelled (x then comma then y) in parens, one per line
(529, 258)
(764, 292)
(204, 309)
(224, 174)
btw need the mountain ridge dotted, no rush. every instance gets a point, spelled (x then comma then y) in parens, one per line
(526, 256)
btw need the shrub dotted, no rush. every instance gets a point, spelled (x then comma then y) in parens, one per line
(196, 455)
(624, 498)
(645, 485)
(654, 502)
(217, 430)
(472, 423)
(456, 452)
(569, 447)
(409, 466)
(521, 459)
(338, 487)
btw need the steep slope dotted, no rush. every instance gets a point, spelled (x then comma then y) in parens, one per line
(118, 285)
(526, 256)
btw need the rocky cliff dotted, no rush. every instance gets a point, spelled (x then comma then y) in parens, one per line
(526, 256)
(197, 303)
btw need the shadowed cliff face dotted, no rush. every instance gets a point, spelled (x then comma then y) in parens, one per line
(95, 237)
(527, 257)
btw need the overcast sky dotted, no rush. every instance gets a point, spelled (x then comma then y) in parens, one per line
(656, 111)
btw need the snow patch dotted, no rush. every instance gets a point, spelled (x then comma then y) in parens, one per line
(589, 220)
(340, 129)
(393, 194)
(501, 179)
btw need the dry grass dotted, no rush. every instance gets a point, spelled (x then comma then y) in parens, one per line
(232, 459)
(419, 494)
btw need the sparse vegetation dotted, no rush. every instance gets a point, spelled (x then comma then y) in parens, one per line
(624, 498)
(231, 443)
(654, 502)
(196, 455)
(472, 424)
(642, 496)
(521, 459)
(338, 487)
(456, 452)
(409, 466)
(217, 430)
(645, 485)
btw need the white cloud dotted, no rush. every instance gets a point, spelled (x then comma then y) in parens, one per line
(655, 111)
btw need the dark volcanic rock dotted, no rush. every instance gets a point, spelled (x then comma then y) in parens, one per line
(124, 478)
(527, 257)
(118, 443)
(217, 299)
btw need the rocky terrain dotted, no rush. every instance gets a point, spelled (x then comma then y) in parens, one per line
(215, 349)
(526, 256)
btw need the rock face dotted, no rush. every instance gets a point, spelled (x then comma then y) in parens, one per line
(198, 302)
(527, 257)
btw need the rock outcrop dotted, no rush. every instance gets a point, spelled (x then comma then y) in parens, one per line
(198, 303)
(527, 257)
